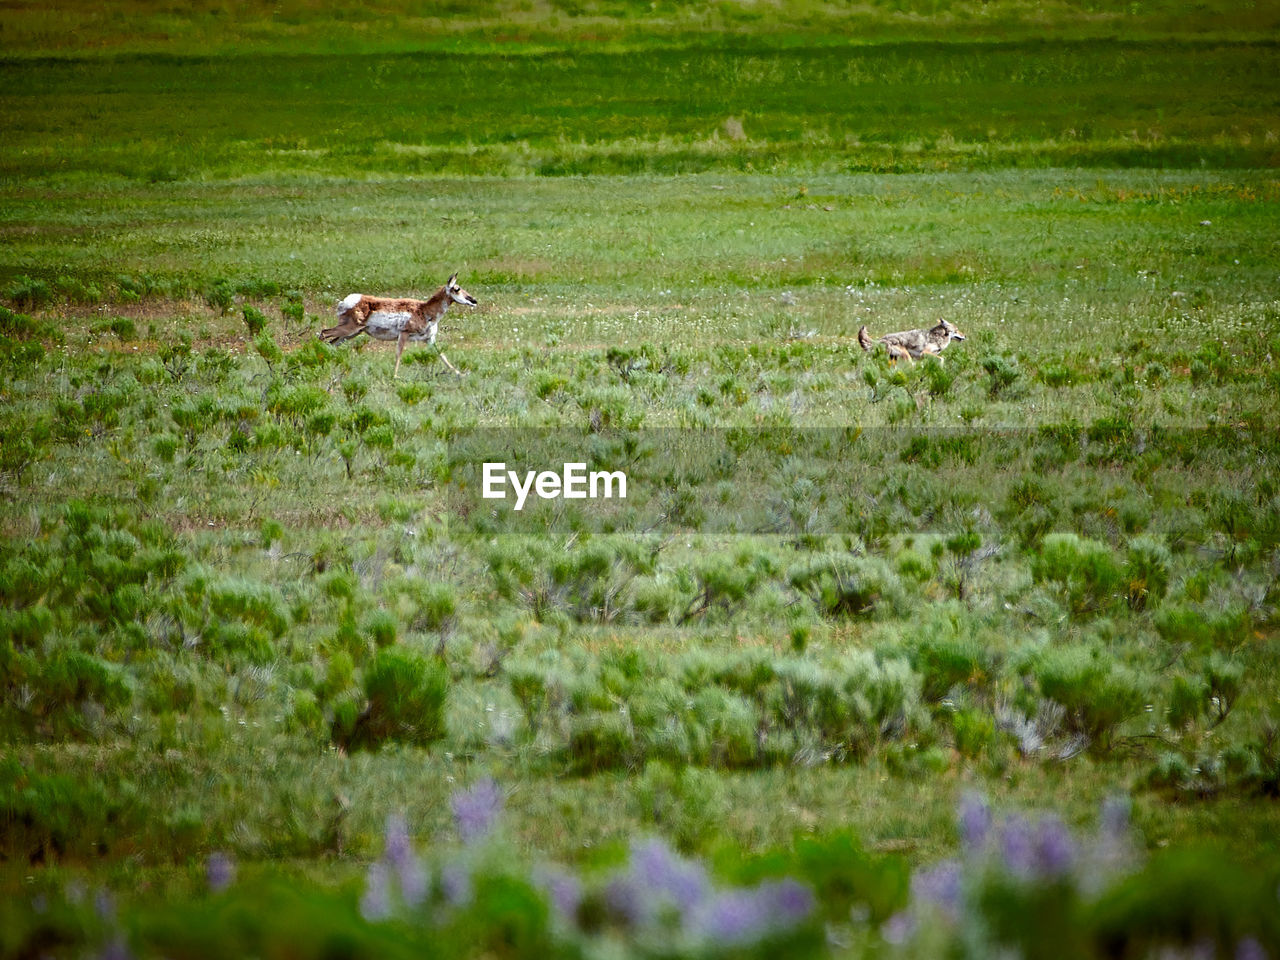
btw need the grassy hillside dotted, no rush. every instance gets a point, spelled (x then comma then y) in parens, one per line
(944, 657)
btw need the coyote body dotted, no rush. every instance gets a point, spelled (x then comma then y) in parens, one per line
(400, 319)
(913, 344)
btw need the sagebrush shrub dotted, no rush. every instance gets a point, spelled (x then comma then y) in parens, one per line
(404, 702)
(1147, 572)
(1086, 570)
(1097, 693)
(844, 585)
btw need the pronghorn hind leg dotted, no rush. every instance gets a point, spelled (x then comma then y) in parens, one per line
(351, 327)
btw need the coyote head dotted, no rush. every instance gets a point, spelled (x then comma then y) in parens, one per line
(948, 330)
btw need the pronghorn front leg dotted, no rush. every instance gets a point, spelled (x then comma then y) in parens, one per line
(448, 364)
(404, 338)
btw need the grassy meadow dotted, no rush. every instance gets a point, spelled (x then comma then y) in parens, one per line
(944, 658)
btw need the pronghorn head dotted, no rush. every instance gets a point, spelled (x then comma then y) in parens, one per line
(457, 294)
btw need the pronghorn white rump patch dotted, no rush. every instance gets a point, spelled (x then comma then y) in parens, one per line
(350, 301)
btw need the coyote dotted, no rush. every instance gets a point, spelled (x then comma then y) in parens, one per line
(402, 320)
(911, 344)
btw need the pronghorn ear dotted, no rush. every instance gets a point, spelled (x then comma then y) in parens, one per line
(453, 281)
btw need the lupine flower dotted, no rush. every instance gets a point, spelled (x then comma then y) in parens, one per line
(788, 902)
(399, 856)
(562, 887)
(376, 902)
(732, 918)
(940, 885)
(414, 880)
(626, 900)
(398, 849)
(1250, 949)
(104, 905)
(899, 928)
(455, 884)
(219, 871)
(975, 821)
(476, 811)
(1017, 846)
(662, 871)
(1055, 851)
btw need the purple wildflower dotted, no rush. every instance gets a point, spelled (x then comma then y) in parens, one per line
(414, 880)
(661, 870)
(626, 900)
(975, 821)
(1250, 949)
(455, 884)
(1017, 846)
(104, 905)
(562, 887)
(398, 850)
(899, 928)
(376, 902)
(219, 871)
(476, 811)
(787, 902)
(1055, 851)
(733, 918)
(940, 885)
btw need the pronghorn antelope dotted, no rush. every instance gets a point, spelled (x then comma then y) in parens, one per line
(402, 320)
(911, 344)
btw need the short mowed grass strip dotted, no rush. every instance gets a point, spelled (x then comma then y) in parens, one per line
(897, 107)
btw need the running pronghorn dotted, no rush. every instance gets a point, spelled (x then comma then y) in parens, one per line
(402, 320)
(911, 344)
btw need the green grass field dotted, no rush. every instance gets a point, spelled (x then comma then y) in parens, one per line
(259, 628)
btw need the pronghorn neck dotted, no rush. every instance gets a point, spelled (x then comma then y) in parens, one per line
(438, 303)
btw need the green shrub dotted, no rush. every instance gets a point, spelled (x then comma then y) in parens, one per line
(1188, 700)
(1147, 572)
(254, 319)
(404, 696)
(1003, 374)
(251, 602)
(1097, 693)
(268, 349)
(28, 292)
(293, 307)
(1085, 570)
(220, 294)
(730, 723)
(1204, 630)
(844, 585)
(381, 627)
(974, 731)
(945, 658)
(600, 741)
(684, 803)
